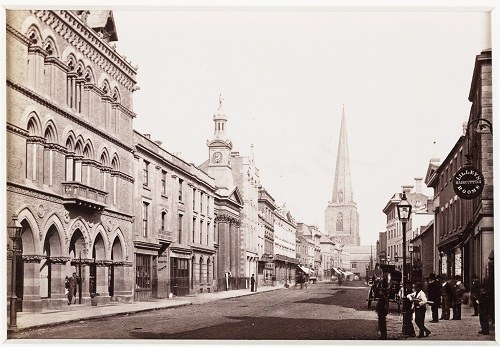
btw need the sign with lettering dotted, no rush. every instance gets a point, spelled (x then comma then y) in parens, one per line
(468, 183)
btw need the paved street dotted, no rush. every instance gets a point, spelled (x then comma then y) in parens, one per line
(320, 312)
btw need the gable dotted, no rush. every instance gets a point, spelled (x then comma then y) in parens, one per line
(236, 196)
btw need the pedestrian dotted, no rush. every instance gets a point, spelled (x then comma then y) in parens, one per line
(458, 298)
(253, 286)
(475, 289)
(382, 311)
(445, 298)
(73, 282)
(419, 304)
(434, 292)
(483, 303)
(66, 289)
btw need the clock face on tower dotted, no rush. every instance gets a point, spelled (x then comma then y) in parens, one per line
(217, 157)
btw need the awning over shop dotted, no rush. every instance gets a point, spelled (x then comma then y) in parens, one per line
(348, 273)
(304, 269)
(337, 270)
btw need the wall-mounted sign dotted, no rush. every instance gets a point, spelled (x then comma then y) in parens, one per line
(468, 183)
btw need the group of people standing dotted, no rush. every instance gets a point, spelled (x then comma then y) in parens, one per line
(445, 292)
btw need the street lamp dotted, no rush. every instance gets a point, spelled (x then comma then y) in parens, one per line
(404, 213)
(14, 229)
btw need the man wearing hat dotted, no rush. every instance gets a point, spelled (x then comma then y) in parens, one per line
(434, 291)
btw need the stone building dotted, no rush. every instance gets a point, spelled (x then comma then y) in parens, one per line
(265, 241)
(70, 175)
(341, 214)
(246, 178)
(174, 235)
(394, 231)
(230, 242)
(464, 228)
(285, 231)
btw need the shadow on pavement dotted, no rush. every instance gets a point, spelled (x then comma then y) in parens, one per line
(275, 328)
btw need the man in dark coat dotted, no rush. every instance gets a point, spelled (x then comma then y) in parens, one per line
(434, 291)
(483, 303)
(73, 283)
(458, 298)
(252, 284)
(382, 311)
(475, 289)
(446, 295)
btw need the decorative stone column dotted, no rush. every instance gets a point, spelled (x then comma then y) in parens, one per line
(122, 271)
(31, 289)
(57, 295)
(102, 268)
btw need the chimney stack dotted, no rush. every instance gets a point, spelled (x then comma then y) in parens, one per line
(418, 184)
(148, 136)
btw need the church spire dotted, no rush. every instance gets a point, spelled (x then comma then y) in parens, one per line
(342, 190)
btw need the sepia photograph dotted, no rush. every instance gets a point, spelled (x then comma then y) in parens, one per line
(267, 173)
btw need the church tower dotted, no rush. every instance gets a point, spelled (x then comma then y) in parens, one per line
(341, 214)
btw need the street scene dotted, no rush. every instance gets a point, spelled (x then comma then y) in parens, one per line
(324, 311)
(248, 173)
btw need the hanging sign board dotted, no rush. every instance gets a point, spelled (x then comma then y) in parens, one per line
(468, 183)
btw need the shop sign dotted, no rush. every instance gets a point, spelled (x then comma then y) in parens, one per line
(468, 183)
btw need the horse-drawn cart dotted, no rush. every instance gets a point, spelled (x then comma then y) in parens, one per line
(393, 278)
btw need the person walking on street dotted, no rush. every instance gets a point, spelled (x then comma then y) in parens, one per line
(475, 289)
(483, 303)
(73, 283)
(419, 303)
(382, 311)
(66, 289)
(458, 298)
(445, 298)
(252, 284)
(434, 291)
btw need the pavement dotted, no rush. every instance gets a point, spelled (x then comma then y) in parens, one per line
(465, 329)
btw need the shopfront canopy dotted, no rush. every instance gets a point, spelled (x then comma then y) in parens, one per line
(304, 269)
(337, 271)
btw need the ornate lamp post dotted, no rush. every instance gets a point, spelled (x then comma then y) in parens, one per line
(14, 229)
(404, 213)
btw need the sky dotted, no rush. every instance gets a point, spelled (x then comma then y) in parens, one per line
(402, 77)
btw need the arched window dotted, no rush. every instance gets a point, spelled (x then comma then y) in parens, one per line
(208, 269)
(69, 158)
(201, 270)
(104, 168)
(33, 128)
(340, 222)
(77, 162)
(35, 60)
(71, 82)
(115, 166)
(48, 155)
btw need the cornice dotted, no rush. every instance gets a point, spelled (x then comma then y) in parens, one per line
(84, 39)
(18, 35)
(17, 130)
(43, 101)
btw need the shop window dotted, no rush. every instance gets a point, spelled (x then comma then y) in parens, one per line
(143, 271)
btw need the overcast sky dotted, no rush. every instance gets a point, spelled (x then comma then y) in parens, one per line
(404, 78)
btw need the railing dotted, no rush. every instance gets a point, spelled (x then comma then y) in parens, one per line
(81, 194)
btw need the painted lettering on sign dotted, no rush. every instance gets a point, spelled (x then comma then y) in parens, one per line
(468, 183)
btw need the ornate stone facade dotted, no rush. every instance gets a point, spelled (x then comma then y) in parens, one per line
(69, 176)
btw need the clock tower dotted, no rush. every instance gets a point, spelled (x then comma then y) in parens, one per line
(219, 150)
(341, 214)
